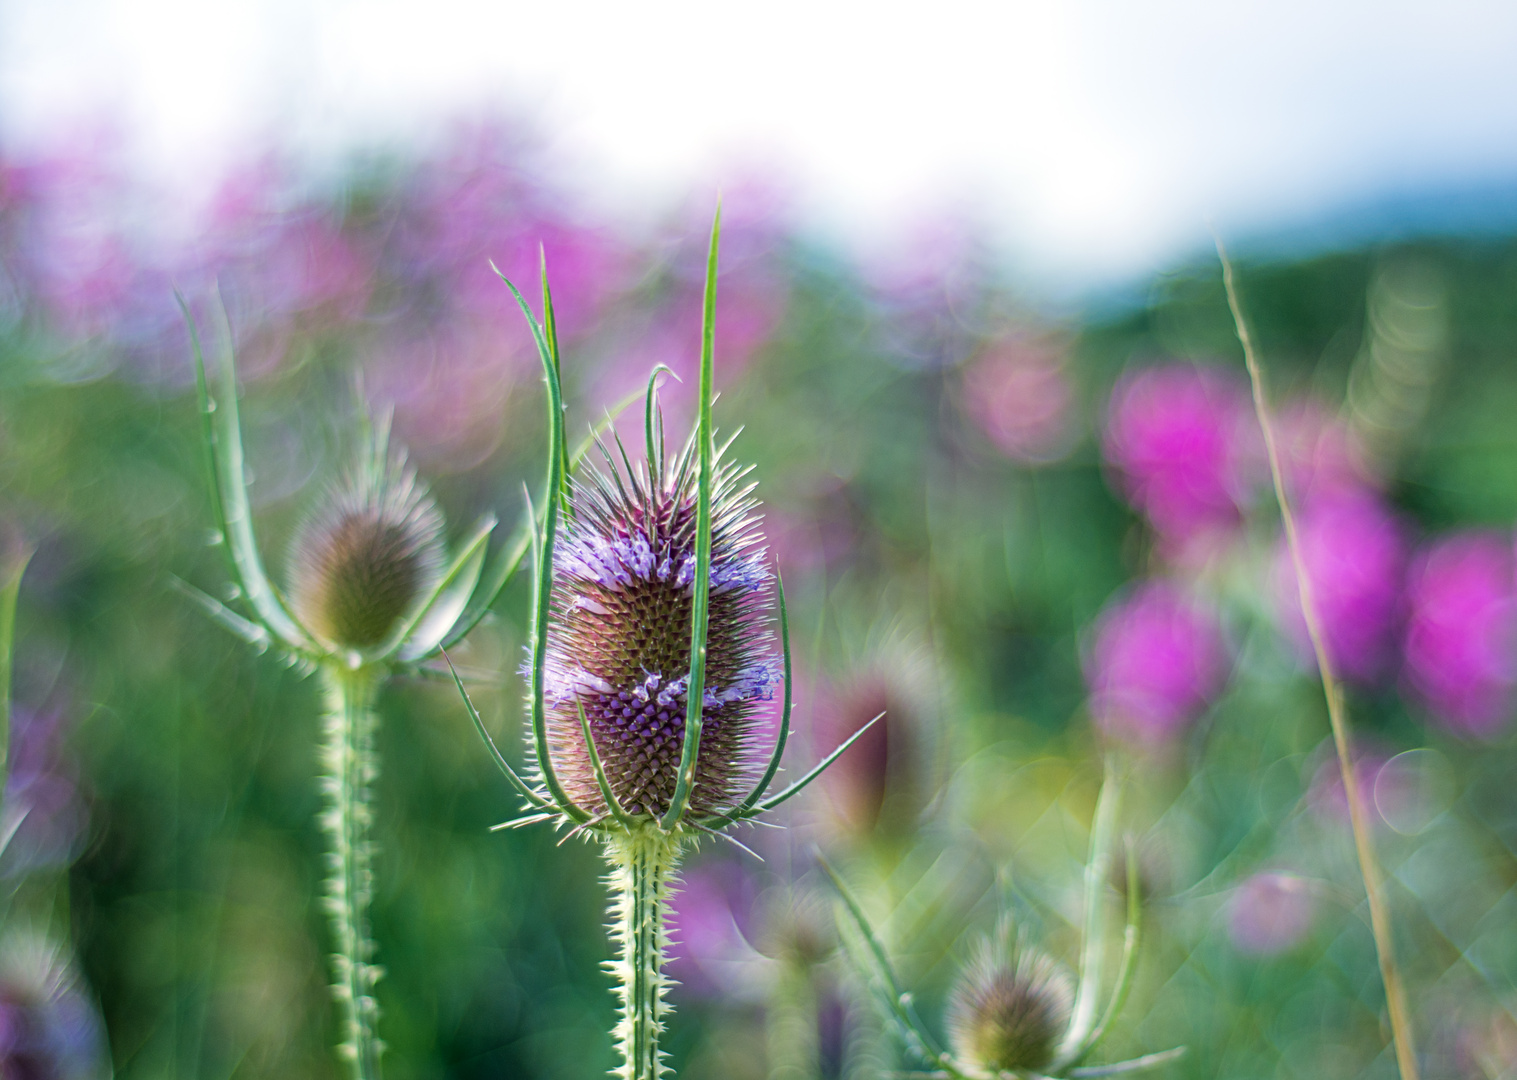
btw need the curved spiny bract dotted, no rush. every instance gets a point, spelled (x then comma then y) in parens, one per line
(619, 643)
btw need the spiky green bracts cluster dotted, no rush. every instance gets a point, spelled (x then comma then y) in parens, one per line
(619, 644)
(1010, 1007)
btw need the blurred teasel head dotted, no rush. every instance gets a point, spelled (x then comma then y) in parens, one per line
(370, 583)
(619, 643)
(1010, 1008)
(367, 553)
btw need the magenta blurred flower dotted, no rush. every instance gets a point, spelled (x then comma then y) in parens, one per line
(1270, 913)
(69, 249)
(1156, 662)
(1019, 393)
(1355, 555)
(1461, 632)
(1179, 436)
(480, 201)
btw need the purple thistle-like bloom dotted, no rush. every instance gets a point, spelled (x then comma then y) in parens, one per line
(1176, 436)
(1157, 662)
(619, 642)
(1354, 552)
(1461, 632)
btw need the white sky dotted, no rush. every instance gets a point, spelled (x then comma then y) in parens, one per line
(1096, 135)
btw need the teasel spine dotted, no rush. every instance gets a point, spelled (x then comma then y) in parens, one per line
(350, 767)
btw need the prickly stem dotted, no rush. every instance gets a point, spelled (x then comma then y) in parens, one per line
(643, 864)
(350, 766)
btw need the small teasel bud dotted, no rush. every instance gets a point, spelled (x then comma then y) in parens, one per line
(1010, 1008)
(364, 557)
(619, 645)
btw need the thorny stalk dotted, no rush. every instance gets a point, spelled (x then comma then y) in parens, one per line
(1369, 867)
(350, 766)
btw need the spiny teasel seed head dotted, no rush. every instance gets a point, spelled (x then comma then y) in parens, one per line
(619, 643)
(1010, 1007)
(367, 553)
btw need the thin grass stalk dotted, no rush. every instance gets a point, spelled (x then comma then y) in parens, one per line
(350, 766)
(643, 865)
(1369, 866)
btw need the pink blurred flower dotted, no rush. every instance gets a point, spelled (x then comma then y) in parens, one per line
(1156, 663)
(1462, 632)
(1355, 556)
(1020, 395)
(1270, 913)
(1178, 436)
(71, 252)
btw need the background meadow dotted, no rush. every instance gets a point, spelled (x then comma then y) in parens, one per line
(1030, 538)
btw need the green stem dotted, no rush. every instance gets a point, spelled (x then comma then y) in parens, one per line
(643, 863)
(350, 766)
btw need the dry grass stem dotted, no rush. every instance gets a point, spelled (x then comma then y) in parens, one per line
(1369, 867)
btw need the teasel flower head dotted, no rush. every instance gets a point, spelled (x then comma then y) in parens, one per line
(619, 642)
(366, 554)
(650, 664)
(370, 583)
(1010, 1008)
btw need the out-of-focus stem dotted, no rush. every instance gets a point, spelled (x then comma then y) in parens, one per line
(349, 769)
(643, 861)
(1369, 867)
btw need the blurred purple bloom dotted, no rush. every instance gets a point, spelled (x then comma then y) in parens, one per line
(1021, 396)
(42, 792)
(1270, 913)
(708, 952)
(64, 213)
(480, 202)
(1355, 555)
(49, 1029)
(1157, 662)
(1462, 632)
(1179, 437)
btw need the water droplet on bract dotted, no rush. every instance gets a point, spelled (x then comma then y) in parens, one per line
(231, 592)
(214, 538)
(210, 404)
